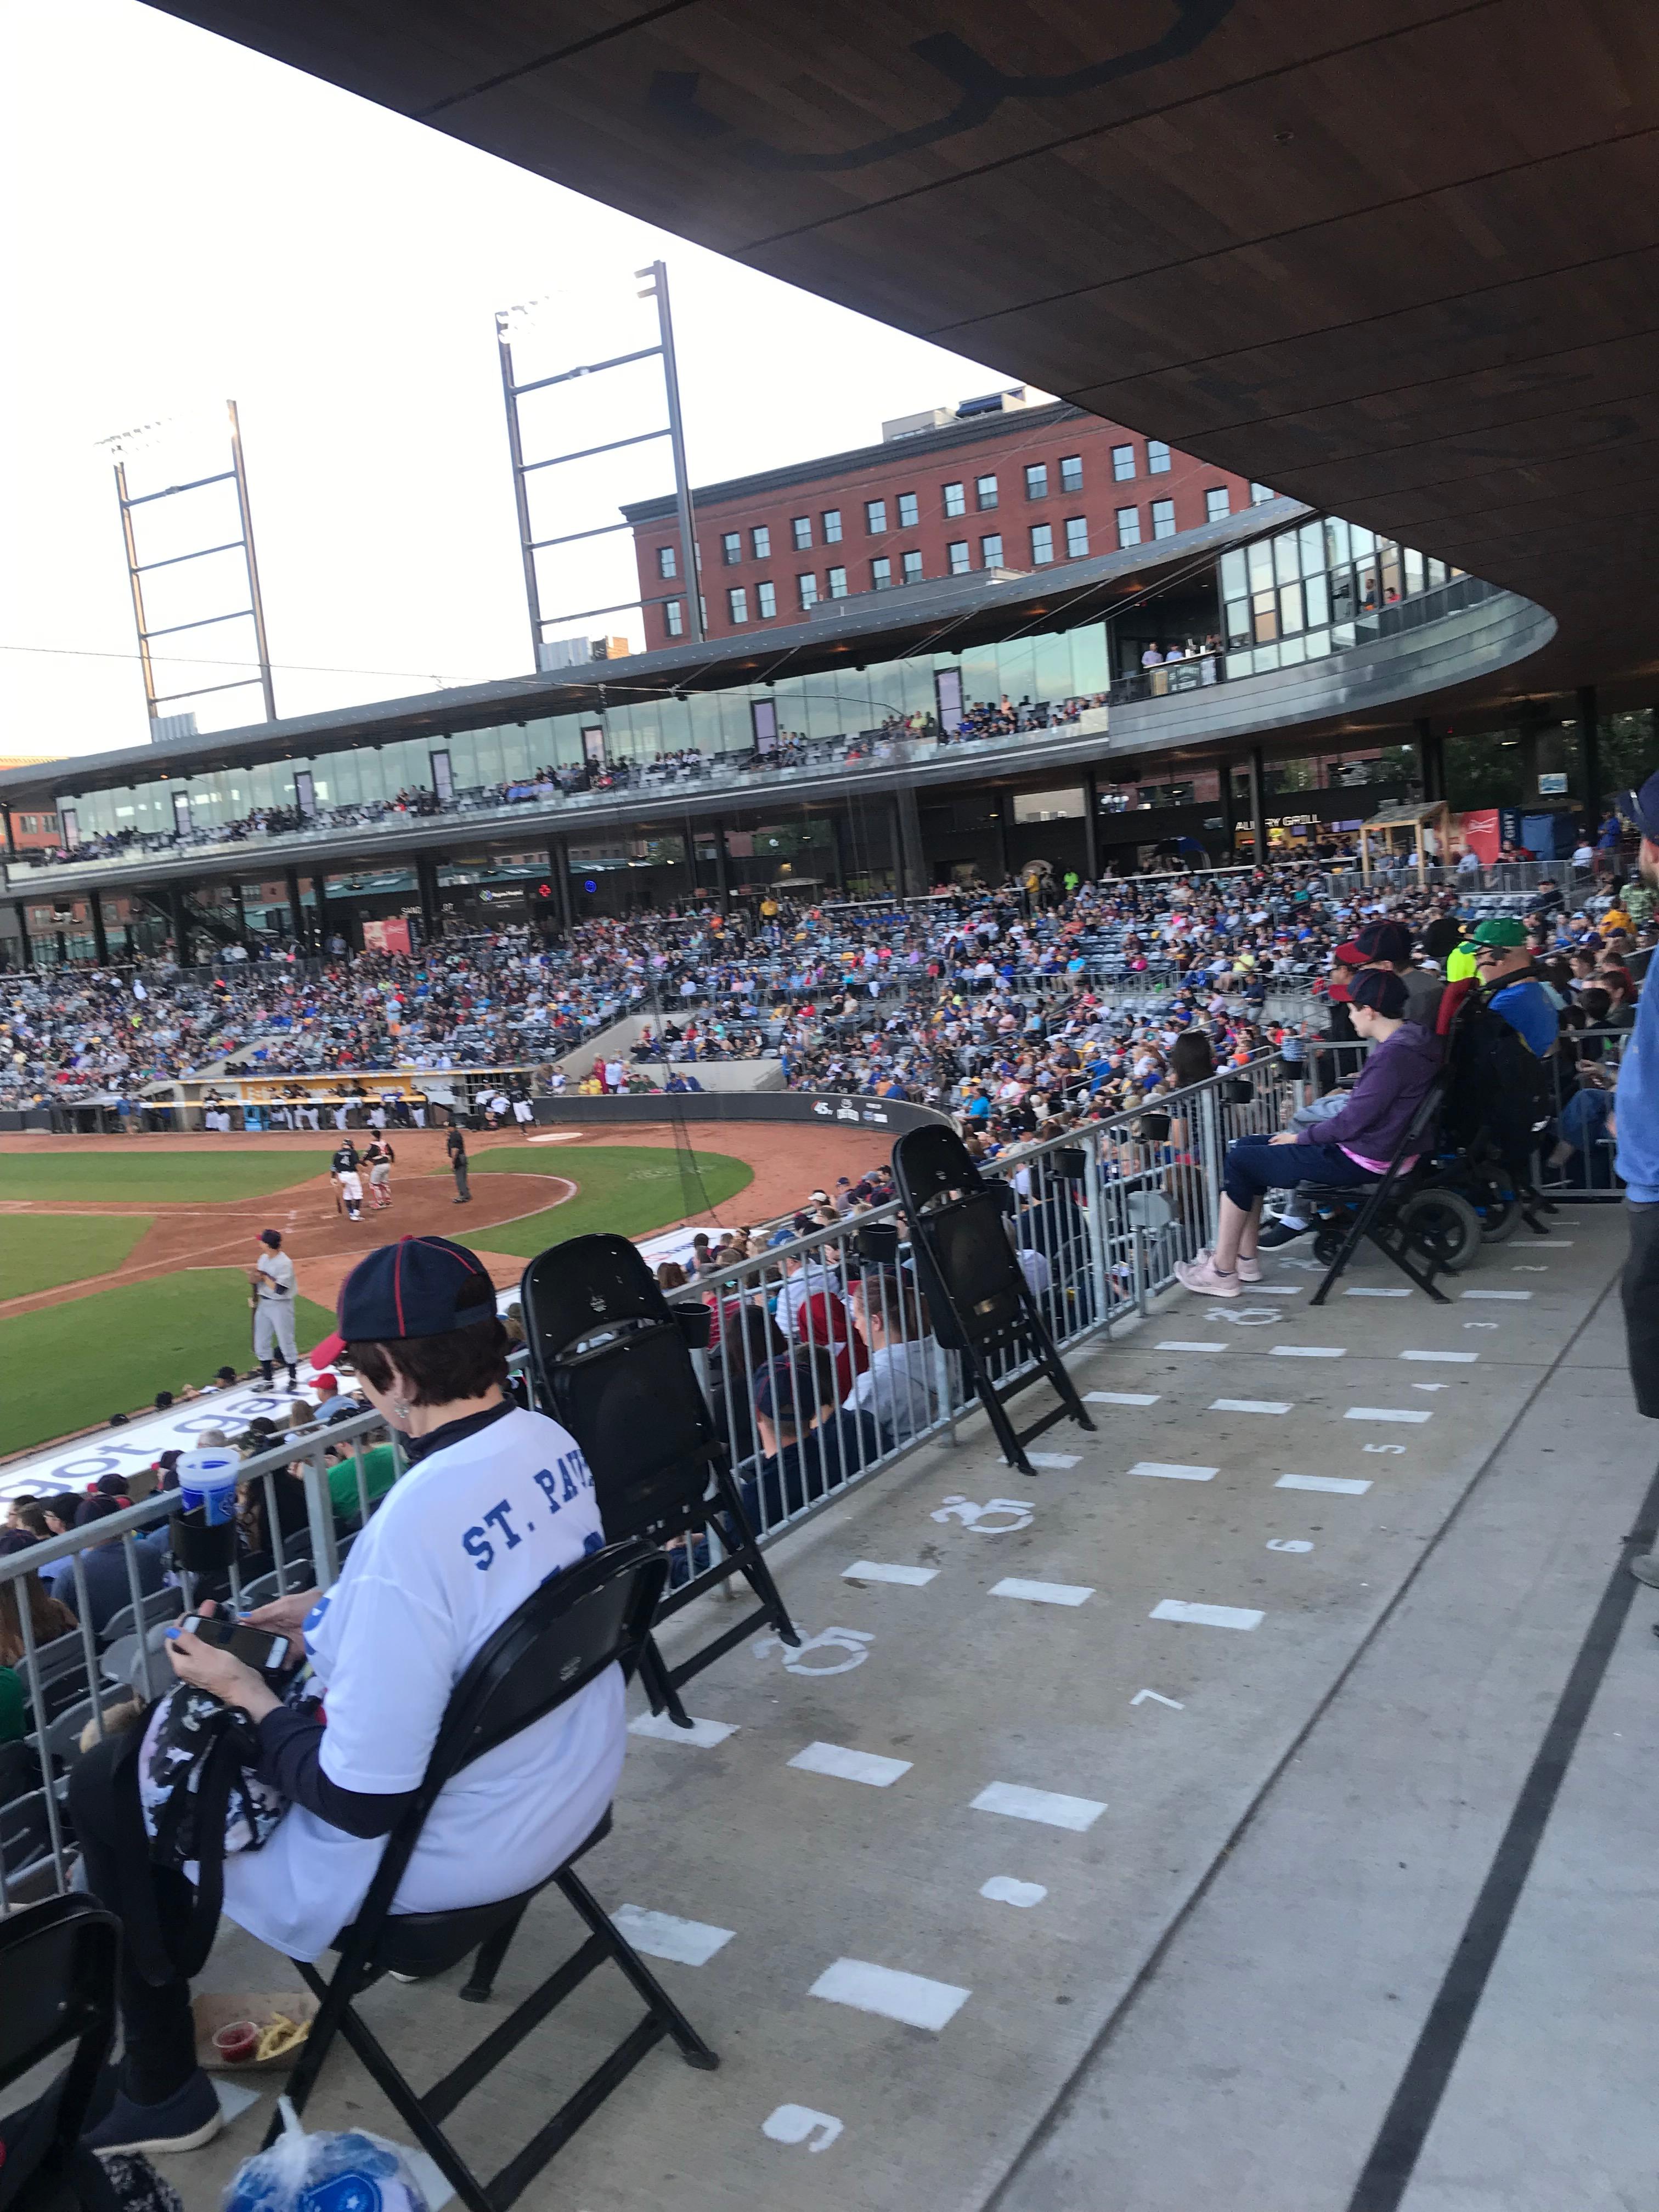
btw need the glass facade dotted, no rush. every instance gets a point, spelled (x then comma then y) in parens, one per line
(1295, 597)
(1052, 666)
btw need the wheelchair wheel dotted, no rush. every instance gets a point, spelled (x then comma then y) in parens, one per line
(1326, 1245)
(1444, 1227)
(1500, 1212)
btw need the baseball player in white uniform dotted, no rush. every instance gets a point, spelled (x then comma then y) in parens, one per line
(271, 1278)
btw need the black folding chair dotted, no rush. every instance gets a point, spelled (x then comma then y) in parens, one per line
(1380, 1214)
(977, 1296)
(596, 1614)
(610, 1359)
(58, 1968)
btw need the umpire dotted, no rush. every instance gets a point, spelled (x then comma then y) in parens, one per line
(1636, 1118)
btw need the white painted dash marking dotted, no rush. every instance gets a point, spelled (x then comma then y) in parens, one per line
(1053, 1459)
(1157, 1699)
(1052, 1809)
(1432, 1386)
(1186, 1343)
(1309, 1351)
(1508, 1297)
(1003, 1889)
(1385, 1414)
(878, 1570)
(702, 1735)
(1043, 1593)
(1275, 1290)
(1207, 1616)
(844, 1765)
(1249, 1406)
(1363, 1291)
(1341, 1485)
(1171, 1470)
(1443, 1358)
(660, 1936)
(911, 1998)
(1122, 1397)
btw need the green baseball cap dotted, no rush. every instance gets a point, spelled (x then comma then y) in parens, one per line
(1502, 930)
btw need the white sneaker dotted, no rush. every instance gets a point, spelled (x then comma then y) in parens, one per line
(1202, 1274)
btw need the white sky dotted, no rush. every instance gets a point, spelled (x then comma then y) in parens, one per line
(188, 222)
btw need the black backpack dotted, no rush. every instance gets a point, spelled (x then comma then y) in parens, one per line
(1498, 1094)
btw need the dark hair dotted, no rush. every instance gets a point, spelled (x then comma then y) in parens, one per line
(95, 1508)
(1192, 1057)
(460, 1363)
(1597, 1003)
(33, 1516)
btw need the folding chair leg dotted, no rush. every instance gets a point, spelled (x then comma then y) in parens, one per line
(487, 1963)
(659, 1684)
(996, 1413)
(662, 2007)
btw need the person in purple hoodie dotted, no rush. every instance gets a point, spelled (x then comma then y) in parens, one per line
(1354, 1147)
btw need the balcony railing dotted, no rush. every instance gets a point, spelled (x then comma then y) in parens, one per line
(1237, 663)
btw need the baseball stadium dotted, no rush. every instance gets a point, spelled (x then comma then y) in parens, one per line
(778, 1335)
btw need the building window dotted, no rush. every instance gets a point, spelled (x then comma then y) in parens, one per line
(1042, 545)
(1163, 518)
(838, 583)
(985, 492)
(1076, 536)
(909, 512)
(732, 548)
(766, 600)
(832, 526)
(1037, 480)
(1123, 463)
(955, 499)
(875, 516)
(913, 567)
(668, 561)
(881, 573)
(990, 552)
(1129, 522)
(1157, 458)
(808, 588)
(1071, 472)
(761, 538)
(957, 554)
(737, 602)
(801, 528)
(1216, 505)
(673, 616)
(1259, 494)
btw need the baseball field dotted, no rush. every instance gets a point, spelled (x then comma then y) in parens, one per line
(122, 1260)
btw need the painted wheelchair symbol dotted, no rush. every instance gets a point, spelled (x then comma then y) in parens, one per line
(997, 1516)
(853, 1642)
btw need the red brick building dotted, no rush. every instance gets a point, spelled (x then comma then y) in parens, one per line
(997, 485)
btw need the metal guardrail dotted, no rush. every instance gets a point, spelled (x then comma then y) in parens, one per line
(1100, 1216)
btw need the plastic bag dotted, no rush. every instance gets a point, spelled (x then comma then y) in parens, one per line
(325, 2172)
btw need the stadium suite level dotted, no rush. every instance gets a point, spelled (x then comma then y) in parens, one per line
(1198, 688)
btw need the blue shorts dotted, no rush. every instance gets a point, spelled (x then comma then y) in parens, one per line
(1255, 1164)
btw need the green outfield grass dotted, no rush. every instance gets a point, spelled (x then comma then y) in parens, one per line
(112, 1351)
(38, 1251)
(629, 1189)
(141, 1176)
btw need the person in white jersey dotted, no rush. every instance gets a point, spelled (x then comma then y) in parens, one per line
(270, 1279)
(495, 1501)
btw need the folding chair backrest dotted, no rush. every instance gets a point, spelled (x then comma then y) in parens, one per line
(57, 1967)
(611, 1363)
(965, 1264)
(594, 1615)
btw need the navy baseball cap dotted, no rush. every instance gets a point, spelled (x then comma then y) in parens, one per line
(1385, 940)
(419, 1286)
(1640, 809)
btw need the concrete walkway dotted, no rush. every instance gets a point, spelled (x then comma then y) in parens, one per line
(1108, 1846)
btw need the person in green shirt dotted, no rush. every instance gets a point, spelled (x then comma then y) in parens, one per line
(379, 1472)
(12, 1706)
(1460, 962)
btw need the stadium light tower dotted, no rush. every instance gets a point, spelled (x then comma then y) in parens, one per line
(654, 286)
(129, 442)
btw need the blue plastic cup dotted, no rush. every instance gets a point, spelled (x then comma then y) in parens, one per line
(207, 1479)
